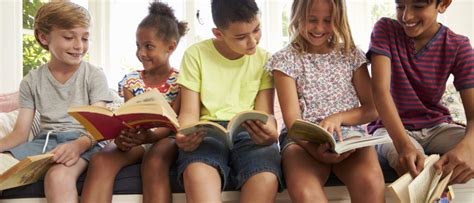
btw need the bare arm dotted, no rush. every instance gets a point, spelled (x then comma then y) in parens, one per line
(366, 112)
(410, 159)
(21, 130)
(190, 107)
(189, 113)
(288, 98)
(460, 159)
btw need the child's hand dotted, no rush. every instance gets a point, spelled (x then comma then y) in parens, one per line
(459, 161)
(67, 153)
(260, 132)
(130, 138)
(321, 152)
(333, 123)
(410, 160)
(123, 143)
(191, 142)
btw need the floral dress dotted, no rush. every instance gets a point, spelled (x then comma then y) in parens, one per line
(323, 81)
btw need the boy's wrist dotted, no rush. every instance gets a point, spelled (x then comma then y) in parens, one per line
(90, 140)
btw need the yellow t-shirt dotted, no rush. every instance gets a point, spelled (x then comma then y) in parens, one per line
(226, 87)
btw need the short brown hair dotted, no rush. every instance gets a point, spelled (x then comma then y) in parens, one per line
(59, 14)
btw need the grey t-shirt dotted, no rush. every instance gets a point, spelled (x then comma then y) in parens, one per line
(39, 90)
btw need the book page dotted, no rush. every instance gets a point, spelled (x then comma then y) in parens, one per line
(361, 141)
(418, 189)
(6, 162)
(149, 102)
(399, 188)
(438, 188)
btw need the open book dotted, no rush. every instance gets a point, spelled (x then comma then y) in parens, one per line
(147, 110)
(233, 127)
(426, 187)
(303, 130)
(14, 173)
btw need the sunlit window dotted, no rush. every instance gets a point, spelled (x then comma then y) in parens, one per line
(118, 26)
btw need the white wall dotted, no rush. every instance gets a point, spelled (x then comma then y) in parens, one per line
(459, 18)
(11, 45)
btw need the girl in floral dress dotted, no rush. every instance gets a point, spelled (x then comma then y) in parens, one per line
(321, 77)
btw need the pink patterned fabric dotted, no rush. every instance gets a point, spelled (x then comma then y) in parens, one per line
(323, 81)
(9, 101)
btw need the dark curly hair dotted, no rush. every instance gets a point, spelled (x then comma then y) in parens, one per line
(161, 17)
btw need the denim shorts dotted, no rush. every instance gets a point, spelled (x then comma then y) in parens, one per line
(236, 165)
(285, 140)
(36, 146)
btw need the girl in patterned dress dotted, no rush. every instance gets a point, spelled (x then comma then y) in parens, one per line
(157, 37)
(321, 77)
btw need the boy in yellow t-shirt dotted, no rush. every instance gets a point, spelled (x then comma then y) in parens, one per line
(221, 77)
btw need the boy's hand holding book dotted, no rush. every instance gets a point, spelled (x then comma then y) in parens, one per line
(67, 153)
(261, 133)
(458, 161)
(427, 187)
(410, 160)
(190, 142)
(234, 127)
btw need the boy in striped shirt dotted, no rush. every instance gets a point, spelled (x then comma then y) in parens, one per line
(412, 58)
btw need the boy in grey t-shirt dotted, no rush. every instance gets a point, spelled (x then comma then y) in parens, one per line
(62, 28)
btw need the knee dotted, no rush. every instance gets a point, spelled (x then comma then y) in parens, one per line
(306, 194)
(199, 171)
(265, 179)
(155, 165)
(99, 160)
(157, 159)
(373, 182)
(58, 176)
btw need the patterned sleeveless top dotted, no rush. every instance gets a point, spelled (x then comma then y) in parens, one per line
(135, 83)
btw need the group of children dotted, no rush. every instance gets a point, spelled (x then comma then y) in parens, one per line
(320, 77)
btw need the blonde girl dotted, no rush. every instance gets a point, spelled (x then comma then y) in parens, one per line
(321, 77)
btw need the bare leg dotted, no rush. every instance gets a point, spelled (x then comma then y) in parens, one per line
(202, 183)
(103, 167)
(155, 171)
(305, 177)
(60, 182)
(362, 175)
(261, 187)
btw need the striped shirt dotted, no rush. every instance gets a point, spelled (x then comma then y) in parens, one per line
(418, 79)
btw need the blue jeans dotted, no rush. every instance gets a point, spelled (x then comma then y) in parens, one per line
(236, 165)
